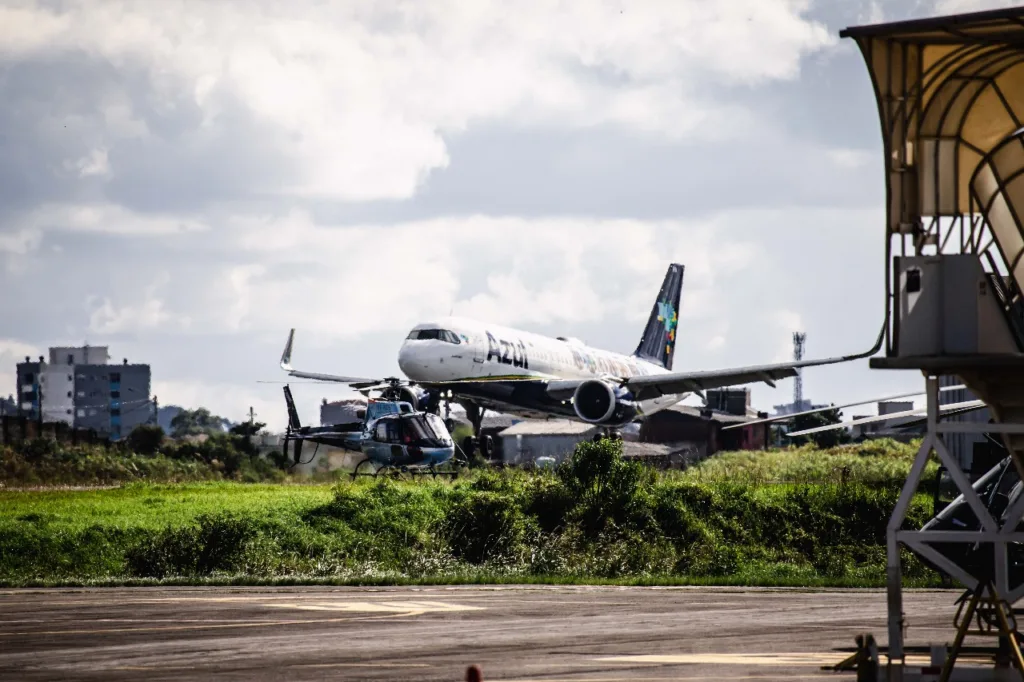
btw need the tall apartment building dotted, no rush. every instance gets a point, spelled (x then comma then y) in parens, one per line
(80, 387)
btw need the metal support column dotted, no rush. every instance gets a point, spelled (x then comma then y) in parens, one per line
(997, 532)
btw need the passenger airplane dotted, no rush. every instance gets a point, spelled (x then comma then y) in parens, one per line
(482, 365)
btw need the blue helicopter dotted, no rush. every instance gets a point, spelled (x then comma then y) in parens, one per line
(395, 439)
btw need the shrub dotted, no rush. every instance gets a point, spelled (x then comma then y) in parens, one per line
(215, 543)
(485, 526)
(145, 439)
(605, 488)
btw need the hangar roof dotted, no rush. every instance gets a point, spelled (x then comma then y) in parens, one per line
(548, 427)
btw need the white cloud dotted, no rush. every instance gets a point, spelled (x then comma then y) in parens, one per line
(26, 230)
(344, 281)
(95, 163)
(359, 96)
(21, 240)
(963, 6)
(715, 343)
(230, 401)
(148, 314)
(850, 158)
(784, 323)
(567, 296)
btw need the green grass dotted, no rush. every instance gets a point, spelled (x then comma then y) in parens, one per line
(882, 462)
(598, 519)
(141, 505)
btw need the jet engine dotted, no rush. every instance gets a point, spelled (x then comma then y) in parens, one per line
(599, 402)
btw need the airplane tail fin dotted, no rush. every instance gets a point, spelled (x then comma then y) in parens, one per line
(293, 414)
(658, 343)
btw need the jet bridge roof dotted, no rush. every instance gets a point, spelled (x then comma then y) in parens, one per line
(950, 96)
(949, 90)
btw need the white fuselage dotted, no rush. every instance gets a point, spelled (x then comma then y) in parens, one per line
(455, 349)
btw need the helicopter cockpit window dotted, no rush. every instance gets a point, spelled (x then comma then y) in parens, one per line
(434, 334)
(437, 425)
(381, 433)
(424, 428)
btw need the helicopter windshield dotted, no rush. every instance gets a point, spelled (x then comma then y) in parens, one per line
(426, 428)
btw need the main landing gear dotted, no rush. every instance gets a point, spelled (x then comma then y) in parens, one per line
(476, 443)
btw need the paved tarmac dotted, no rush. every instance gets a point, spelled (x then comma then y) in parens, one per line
(541, 633)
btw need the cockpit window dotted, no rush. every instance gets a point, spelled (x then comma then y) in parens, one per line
(435, 334)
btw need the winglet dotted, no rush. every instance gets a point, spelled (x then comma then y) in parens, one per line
(286, 356)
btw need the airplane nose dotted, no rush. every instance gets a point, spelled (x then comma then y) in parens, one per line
(405, 358)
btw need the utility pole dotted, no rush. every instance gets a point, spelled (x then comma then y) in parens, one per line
(156, 411)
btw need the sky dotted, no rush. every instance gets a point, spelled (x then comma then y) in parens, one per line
(185, 182)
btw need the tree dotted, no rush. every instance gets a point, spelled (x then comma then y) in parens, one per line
(823, 439)
(145, 439)
(247, 428)
(195, 422)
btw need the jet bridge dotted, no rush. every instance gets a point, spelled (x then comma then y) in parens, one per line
(950, 95)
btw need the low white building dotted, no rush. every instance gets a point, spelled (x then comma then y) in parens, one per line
(526, 441)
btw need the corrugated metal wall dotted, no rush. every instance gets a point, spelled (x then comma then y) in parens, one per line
(961, 445)
(525, 448)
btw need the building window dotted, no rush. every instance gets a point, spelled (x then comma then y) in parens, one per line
(69, 394)
(29, 377)
(115, 376)
(69, 411)
(70, 378)
(81, 413)
(81, 394)
(115, 394)
(92, 413)
(115, 412)
(71, 359)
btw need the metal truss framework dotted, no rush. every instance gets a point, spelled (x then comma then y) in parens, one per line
(999, 536)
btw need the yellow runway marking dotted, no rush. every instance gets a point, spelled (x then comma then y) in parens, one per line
(360, 665)
(677, 678)
(410, 608)
(815, 659)
(248, 624)
(297, 665)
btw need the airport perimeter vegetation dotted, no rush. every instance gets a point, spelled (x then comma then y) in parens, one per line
(792, 517)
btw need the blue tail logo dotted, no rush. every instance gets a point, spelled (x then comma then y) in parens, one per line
(659, 340)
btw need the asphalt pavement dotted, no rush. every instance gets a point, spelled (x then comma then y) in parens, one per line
(543, 633)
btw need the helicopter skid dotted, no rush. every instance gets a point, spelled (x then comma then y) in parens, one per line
(406, 471)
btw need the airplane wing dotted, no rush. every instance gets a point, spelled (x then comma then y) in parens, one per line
(286, 365)
(652, 386)
(951, 407)
(787, 417)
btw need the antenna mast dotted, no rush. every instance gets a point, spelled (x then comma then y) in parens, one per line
(799, 339)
